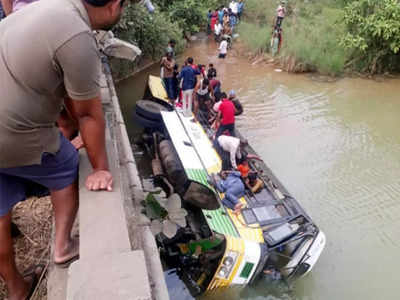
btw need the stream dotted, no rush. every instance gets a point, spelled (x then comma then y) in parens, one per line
(336, 148)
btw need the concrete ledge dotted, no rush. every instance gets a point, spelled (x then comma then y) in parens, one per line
(102, 225)
(109, 277)
(116, 248)
(156, 276)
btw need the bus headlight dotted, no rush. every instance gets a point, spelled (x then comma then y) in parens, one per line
(227, 264)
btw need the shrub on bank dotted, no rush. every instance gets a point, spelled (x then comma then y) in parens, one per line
(150, 32)
(373, 34)
(191, 15)
(315, 41)
(331, 35)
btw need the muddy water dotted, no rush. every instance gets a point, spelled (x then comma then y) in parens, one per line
(336, 147)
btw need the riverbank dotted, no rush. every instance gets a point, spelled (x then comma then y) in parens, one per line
(325, 37)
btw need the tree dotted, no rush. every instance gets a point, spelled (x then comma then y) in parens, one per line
(373, 34)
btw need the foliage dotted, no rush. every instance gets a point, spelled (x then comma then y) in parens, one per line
(150, 32)
(315, 40)
(260, 12)
(373, 33)
(329, 35)
(256, 37)
(167, 214)
(191, 15)
(188, 14)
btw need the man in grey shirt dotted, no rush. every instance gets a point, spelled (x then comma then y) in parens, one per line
(48, 60)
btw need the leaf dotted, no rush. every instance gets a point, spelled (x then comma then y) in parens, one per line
(153, 208)
(169, 229)
(178, 217)
(156, 227)
(174, 203)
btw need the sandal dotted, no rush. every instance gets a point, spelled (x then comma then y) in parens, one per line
(35, 275)
(68, 262)
(72, 256)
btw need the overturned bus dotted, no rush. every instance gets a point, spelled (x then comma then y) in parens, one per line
(217, 247)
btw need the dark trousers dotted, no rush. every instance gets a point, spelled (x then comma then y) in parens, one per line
(279, 22)
(222, 128)
(169, 86)
(224, 155)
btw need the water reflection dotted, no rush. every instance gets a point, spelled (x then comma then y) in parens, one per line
(337, 149)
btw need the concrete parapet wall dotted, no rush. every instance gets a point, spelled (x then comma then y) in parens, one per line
(119, 258)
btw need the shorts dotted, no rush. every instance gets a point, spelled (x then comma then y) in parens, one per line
(56, 171)
(222, 55)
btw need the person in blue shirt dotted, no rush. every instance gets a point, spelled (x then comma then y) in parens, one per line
(188, 78)
(232, 20)
(233, 187)
(221, 14)
(240, 8)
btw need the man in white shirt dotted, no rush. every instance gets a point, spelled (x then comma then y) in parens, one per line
(234, 6)
(223, 48)
(231, 145)
(217, 31)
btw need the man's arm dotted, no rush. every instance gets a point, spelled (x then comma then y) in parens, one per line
(89, 114)
(253, 156)
(7, 6)
(232, 152)
(211, 91)
(80, 62)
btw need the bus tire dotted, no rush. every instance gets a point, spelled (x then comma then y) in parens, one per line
(150, 109)
(146, 122)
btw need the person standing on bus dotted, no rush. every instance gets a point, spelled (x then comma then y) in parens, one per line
(188, 77)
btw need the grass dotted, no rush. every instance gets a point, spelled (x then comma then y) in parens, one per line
(255, 37)
(311, 32)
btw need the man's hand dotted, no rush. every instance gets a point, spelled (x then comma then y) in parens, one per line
(99, 180)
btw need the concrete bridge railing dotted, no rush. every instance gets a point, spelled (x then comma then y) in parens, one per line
(118, 255)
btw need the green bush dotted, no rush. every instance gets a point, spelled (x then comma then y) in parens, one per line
(260, 12)
(256, 38)
(315, 41)
(373, 34)
(188, 14)
(150, 32)
(191, 15)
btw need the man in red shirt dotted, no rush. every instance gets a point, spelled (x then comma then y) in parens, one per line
(226, 116)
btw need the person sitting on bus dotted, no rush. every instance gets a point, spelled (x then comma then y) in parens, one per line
(232, 187)
(253, 183)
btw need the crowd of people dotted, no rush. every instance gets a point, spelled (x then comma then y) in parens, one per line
(198, 93)
(222, 22)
